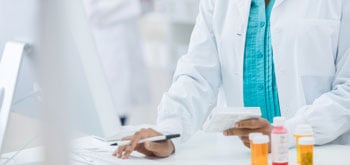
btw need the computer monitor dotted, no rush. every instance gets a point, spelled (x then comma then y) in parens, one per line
(9, 70)
(88, 92)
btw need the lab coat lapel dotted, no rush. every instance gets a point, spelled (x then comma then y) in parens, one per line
(243, 7)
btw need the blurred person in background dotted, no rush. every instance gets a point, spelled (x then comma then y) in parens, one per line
(116, 31)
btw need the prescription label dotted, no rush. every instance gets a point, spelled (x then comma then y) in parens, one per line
(279, 144)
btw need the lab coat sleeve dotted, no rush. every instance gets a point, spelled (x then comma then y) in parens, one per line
(193, 93)
(329, 115)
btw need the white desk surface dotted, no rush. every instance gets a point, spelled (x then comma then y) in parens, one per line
(204, 149)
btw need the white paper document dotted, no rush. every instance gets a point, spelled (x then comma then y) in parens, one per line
(222, 119)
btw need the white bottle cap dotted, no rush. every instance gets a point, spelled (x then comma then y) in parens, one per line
(252, 135)
(307, 141)
(303, 130)
(261, 139)
(279, 121)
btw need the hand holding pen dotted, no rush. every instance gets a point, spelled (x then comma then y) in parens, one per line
(148, 142)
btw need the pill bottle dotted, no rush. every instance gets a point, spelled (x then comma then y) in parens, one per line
(252, 151)
(279, 142)
(306, 145)
(302, 130)
(261, 149)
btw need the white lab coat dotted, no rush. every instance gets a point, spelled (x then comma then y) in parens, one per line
(115, 28)
(312, 67)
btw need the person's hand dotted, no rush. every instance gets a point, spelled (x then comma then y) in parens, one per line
(243, 128)
(157, 149)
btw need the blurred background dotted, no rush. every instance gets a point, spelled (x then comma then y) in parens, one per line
(139, 43)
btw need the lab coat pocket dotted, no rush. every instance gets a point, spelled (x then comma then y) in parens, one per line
(315, 86)
(316, 45)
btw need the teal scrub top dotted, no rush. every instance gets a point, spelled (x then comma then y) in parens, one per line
(259, 81)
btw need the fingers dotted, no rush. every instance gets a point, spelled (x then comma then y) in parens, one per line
(140, 148)
(244, 127)
(247, 145)
(160, 149)
(134, 141)
(240, 131)
(252, 123)
(144, 133)
(124, 152)
(119, 152)
(245, 141)
(143, 150)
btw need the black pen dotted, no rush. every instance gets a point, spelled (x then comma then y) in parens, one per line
(151, 139)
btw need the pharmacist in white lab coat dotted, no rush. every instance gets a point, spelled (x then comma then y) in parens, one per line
(311, 53)
(116, 31)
